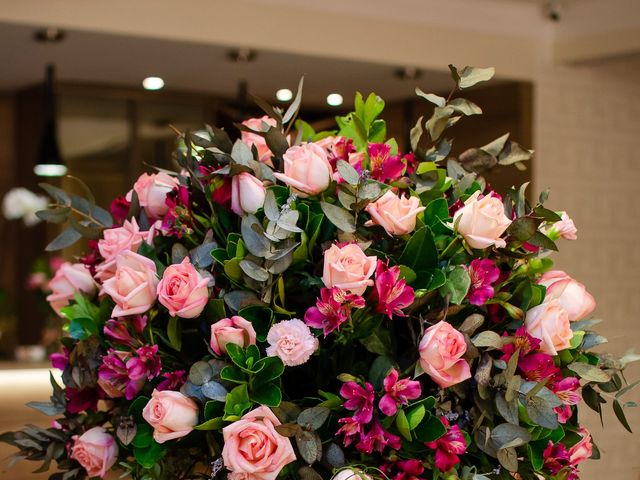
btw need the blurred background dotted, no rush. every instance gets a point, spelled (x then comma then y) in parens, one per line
(94, 86)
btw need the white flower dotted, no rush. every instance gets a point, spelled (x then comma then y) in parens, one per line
(22, 203)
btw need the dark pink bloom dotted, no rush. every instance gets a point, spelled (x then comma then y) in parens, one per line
(146, 365)
(119, 209)
(382, 164)
(139, 323)
(222, 194)
(403, 470)
(537, 367)
(398, 392)
(172, 380)
(483, 274)
(377, 439)
(351, 429)
(81, 400)
(412, 163)
(448, 447)
(332, 309)
(116, 330)
(55, 263)
(558, 462)
(179, 204)
(391, 294)
(359, 400)
(568, 391)
(113, 376)
(60, 360)
(522, 340)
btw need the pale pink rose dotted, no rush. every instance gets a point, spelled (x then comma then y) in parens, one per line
(251, 139)
(549, 323)
(69, 280)
(152, 192)
(396, 214)
(117, 240)
(183, 291)
(441, 351)
(95, 450)
(133, 287)
(236, 330)
(292, 341)
(171, 414)
(582, 450)
(482, 221)
(253, 449)
(571, 294)
(564, 228)
(306, 169)
(348, 268)
(247, 194)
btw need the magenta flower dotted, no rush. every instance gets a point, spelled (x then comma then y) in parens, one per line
(568, 391)
(522, 340)
(557, 460)
(391, 294)
(172, 380)
(403, 470)
(398, 392)
(113, 376)
(448, 447)
(332, 309)
(116, 330)
(146, 365)
(483, 274)
(382, 164)
(81, 400)
(538, 366)
(60, 360)
(351, 429)
(359, 400)
(377, 439)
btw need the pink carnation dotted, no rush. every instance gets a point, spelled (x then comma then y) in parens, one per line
(292, 341)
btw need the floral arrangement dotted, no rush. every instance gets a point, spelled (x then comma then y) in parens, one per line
(309, 305)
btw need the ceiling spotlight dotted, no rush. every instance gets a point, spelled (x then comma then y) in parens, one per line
(334, 99)
(152, 83)
(284, 95)
(242, 55)
(49, 35)
(408, 73)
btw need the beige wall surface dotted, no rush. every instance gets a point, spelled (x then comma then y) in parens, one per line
(587, 140)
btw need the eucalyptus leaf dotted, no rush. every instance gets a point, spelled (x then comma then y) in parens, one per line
(470, 76)
(431, 97)
(340, 217)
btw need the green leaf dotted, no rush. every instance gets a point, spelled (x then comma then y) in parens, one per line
(436, 215)
(67, 238)
(348, 173)
(213, 424)
(309, 445)
(420, 253)
(523, 228)
(618, 410)
(508, 435)
(402, 424)
(237, 403)
(458, 283)
(269, 369)
(415, 415)
(268, 394)
(379, 370)
(144, 436)
(464, 106)
(231, 373)
(313, 417)
(430, 429)
(174, 333)
(136, 407)
(589, 372)
(148, 457)
(340, 217)
(508, 458)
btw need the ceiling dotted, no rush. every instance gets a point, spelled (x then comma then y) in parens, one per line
(99, 58)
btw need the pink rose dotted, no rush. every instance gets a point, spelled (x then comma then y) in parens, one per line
(571, 294)
(117, 240)
(549, 323)
(183, 291)
(482, 221)
(564, 228)
(253, 139)
(234, 330)
(292, 341)
(171, 414)
(582, 450)
(95, 450)
(396, 214)
(69, 280)
(348, 268)
(253, 449)
(133, 287)
(441, 350)
(306, 169)
(247, 194)
(152, 192)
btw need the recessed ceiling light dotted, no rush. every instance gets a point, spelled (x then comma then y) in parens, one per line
(284, 94)
(49, 35)
(408, 73)
(152, 83)
(242, 55)
(334, 99)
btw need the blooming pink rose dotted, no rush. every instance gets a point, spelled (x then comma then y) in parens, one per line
(152, 192)
(247, 194)
(564, 228)
(348, 268)
(95, 450)
(571, 294)
(306, 169)
(582, 450)
(549, 322)
(69, 280)
(117, 240)
(253, 139)
(253, 449)
(441, 351)
(482, 221)
(292, 341)
(183, 291)
(396, 214)
(133, 287)
(234, 330)
(171, 414)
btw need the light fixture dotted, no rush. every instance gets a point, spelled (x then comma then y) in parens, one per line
(152, 83)
(334, 99)
(408, 73)
(284, 95)
(50, 163)
(49, 35)
(242, 55)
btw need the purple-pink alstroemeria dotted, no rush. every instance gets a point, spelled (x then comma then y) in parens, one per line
(398, 392)
(483, 274)
(391, 293)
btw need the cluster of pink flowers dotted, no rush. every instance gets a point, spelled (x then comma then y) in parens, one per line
(563, 461)
(124, 373)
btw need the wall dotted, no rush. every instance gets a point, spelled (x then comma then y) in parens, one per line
(587, 125)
